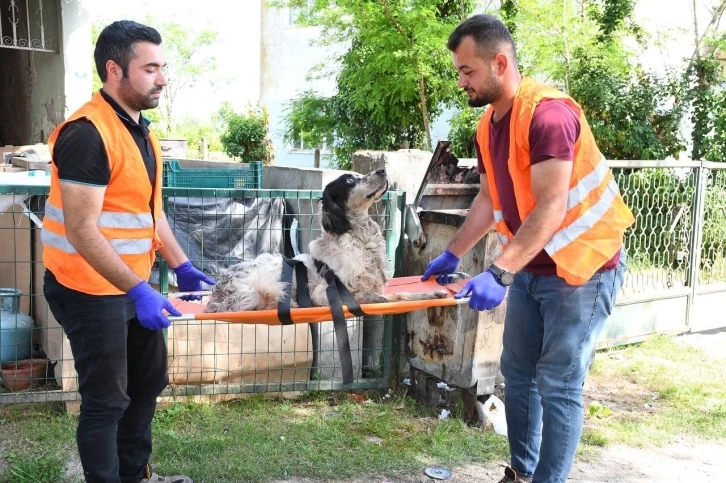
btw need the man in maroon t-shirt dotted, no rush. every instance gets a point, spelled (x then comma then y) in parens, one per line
(550, 327)
(552, 135)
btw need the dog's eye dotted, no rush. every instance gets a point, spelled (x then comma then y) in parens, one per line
(350, 180)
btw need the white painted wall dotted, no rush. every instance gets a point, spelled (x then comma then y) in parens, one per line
(286, 59)
(77, 52)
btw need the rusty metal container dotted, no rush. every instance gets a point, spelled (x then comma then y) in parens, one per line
(457, 345)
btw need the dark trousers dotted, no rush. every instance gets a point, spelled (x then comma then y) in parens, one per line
(121, 368)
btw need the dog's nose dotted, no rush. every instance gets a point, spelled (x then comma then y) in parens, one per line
(381, 171)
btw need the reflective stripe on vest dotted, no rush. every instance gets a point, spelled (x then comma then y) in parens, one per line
(588, 219)
(501, 230)
(123, 246)
(107, 219)
(590, 182)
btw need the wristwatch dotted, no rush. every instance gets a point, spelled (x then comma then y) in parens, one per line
(503, 277)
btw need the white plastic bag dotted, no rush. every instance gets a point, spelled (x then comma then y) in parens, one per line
(494, 411)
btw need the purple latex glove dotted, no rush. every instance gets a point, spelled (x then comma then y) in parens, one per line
(149, 305)
(486, 293)
(444, 264)
(189, 279)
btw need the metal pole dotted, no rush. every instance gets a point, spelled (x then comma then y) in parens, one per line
(697, 215)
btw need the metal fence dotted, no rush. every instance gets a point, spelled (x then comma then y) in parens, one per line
(679, 237)
(676, 248)
(216, 228)
(676, 252)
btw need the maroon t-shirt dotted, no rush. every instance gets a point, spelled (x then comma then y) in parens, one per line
(552, 134)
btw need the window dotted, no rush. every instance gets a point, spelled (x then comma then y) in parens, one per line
(296, 11)
(298, 143)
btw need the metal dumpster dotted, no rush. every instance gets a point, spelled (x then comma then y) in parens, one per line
(456, 345)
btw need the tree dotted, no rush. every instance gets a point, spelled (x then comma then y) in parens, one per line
(187, 63)
(393, 80)
(247, 135)
(633, 113)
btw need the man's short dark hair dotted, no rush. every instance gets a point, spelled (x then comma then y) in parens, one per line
(489, 33)
(116, 42)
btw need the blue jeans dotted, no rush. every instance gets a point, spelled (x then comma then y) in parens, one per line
(550, 332)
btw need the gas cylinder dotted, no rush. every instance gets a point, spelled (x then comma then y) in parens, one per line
(15, 328)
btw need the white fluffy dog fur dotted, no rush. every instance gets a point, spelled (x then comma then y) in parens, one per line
(351, 245)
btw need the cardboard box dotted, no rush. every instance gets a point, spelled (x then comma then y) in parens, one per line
(29, 164)
(6, 153)
(9, 168)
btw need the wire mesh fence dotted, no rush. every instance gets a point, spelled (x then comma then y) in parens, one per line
(216, 228)
(679, 236)
(659, 244)
(712, 256)
(677, 243)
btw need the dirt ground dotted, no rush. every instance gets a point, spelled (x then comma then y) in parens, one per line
(682, 461)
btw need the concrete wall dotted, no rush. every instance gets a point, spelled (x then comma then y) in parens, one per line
(406, 167)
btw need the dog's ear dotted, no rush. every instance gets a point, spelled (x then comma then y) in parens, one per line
(333, 217)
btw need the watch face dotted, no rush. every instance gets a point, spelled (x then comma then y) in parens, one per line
(506, 278)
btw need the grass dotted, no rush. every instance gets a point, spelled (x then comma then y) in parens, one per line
(35, 441)
(324, 435)
(654, 393)
(642, 395)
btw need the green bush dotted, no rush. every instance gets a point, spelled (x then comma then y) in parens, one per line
(247, 135)
(463, 128)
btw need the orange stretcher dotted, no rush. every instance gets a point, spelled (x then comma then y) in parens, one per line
(195, 311)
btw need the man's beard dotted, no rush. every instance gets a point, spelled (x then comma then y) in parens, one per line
(135, 99)
(489, 93)
(492, 93)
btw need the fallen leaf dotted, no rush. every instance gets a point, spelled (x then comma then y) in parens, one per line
(375, 440)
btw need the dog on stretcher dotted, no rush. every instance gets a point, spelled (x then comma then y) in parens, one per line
(351, 245)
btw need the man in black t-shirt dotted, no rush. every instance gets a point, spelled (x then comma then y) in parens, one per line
(103, 222)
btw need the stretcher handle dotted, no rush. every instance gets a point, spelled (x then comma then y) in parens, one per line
(448, 278)
(177, 295)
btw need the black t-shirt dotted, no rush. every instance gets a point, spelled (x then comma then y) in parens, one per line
(80, 156)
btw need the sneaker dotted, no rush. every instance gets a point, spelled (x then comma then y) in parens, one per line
(150, 477)
(511, 476)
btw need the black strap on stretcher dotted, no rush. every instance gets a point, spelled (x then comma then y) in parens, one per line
(303, 291)
(337, 295)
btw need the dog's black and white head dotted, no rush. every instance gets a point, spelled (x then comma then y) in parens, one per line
(348, 196)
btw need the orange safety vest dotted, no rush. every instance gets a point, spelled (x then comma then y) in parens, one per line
(597, 217)
(126, 219)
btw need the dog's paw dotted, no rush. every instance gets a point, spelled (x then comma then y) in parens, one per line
(440, 294)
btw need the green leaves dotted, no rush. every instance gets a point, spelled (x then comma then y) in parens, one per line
(246, 136)
(396, 47)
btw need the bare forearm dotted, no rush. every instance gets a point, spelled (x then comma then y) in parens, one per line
(477, 224)
(171, 251)
(531, 237)
(98, 252)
